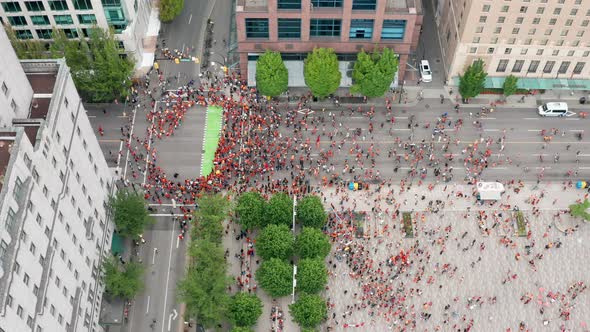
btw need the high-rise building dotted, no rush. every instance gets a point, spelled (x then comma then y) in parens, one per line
(295, 27)
(133, 21)
(546, 43)
(54, 185)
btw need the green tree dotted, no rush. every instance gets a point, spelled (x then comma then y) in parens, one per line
(312, 275)
(473, 80)
(311, 243)
(26, 49)
(275, 276)
(272, 77)
(321, 72)
(250, 210)
(309, 310)
(275, 241)
(209, 217)
(203, 289)
(279, 210)
(581, 210)
(241, 329)
(130, 213)
(244, 309)
(310, 212)
(374, 72)
(123, 281)
(169, 9)
(510, 86)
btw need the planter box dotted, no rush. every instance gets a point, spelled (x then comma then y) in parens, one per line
(520, 224)
(408, 227)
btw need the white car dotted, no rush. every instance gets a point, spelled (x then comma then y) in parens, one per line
(425, 71)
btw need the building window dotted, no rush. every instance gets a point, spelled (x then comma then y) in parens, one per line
(326, 3)
(536, 20)
(393, 29)
(324, 28)
(483, 19)
(515, 31)
(524, 51)
(63, 19)
(517, 66)
(569, 22)
(44, 33)
(26, 279)
(498, 30)
(512, 41)
(574, 12)
(19, 311)
(10, 217)
(555, 52)
(486, 8)
(563, 67)
(82, 4)
(507, 50)
(289, 27)
(532, 31)
(364, 4)
(40, 20)
(505, 9)
(523, 9)
(540, 10)
(17, 20)
(58, 5)
(519, 20)
(35, 6)
(502, 66)
(361, 28)
(579, 67)
(576, 43)
(540, 52)
(580, 33)
(289, 4)
(86, 18)
(11, 7)
(557, 11)
(501, 19)
(23, 34)
(491, 50)
(571, 53)
(70, 33)
(257, 28)
(585, 23)
(3, 248)
(548, 67)
(479, 30)
(4, 88)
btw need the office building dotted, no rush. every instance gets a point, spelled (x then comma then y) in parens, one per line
(295, 27)
(54, 185)
(546, 43)
(134, 22)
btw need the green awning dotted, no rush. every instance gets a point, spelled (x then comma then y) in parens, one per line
(537, 83)
(117, 244)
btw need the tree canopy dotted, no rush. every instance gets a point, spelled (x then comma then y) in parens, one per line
(244, 309)
(321, 72)
(312, 275)
(275, 241)
(241, 329)
(310, 212)
(203, 289)
(279, 210)
(250, 210)
(272, 77)
(510, 85)
(374, 72)
(130, 213)
(309, 310)
(169, 9)
(311, 243)
(472, 82)
(275, 276)
(209, 217)
(122, 280)
(581, 210)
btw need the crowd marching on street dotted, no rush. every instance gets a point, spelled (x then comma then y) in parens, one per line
(272, 146)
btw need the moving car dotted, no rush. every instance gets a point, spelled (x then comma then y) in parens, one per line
(425, 71)
(555, 109)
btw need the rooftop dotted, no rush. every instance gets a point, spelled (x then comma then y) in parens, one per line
(39, 107)
(42, 83)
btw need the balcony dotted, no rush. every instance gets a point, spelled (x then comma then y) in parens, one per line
(252, 6)
(403, 7)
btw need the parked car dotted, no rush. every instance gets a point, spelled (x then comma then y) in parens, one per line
(555, 109)
(425, 71)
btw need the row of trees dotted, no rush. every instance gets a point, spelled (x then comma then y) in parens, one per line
(472, 82)
(372, 74)
(169, 9)
(99, 69)
(204, 287)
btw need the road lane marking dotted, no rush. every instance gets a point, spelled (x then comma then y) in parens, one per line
(534, 130)
(147, 309)
(109, 140)
(119, 154)
(154, 256)
(488, 118)
(499, 168)
(177, 241)
(190, 18)
(573, 119)
(147, 155)
(584, 167)
(130, 135)
(167, 215)
(491, 130)
(531, 118)
(401, 129)
(577, 130)
(167, 278)
(91, 116)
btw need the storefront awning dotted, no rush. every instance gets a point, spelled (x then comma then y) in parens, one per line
(530, 83)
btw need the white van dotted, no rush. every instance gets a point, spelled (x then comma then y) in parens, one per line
(554, 109)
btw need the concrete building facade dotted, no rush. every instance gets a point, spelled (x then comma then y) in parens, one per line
(134, 21)
(546, 43)
(54, 185)
(296, 27)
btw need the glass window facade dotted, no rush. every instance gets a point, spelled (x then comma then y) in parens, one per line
(63, 19)
(289, 4)
(361, 29)
(23, 34)
(326, 3)
(364, 4)
(324, 28)
(35, 6)
(17, 20)
(44, 33)
(111, 3)
(40, 20)
(257, 27)
(86, 18)
(289, 27)
(82, 4)
(11, 7)
(393, 29)
(58, 5)
(70, 33)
